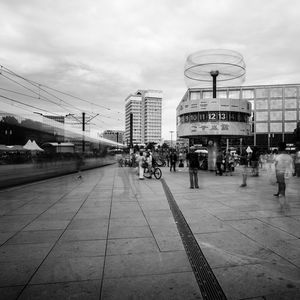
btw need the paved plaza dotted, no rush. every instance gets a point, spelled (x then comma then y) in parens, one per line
(112, 236)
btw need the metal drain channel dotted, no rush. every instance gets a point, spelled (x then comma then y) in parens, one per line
(208, 283)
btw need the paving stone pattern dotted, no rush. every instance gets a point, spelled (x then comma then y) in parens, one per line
(112, 236)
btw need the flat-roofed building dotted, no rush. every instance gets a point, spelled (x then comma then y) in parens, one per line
(271, 118)
(146, 109)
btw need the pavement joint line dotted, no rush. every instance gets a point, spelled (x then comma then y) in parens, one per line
(207, 282)
(86, 198)
(107, 235)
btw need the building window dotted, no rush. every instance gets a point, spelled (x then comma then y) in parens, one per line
(262, 116)
(248, 94)
(221, 94)
(290, 115)
(195, 95)
(290, 127)
(207, 95)
(262, 104)
(275, 127)
(290, 92)
(261, 93)
(276, 104)
(276, 93)
(275, 115)
(290, 103)
(234, 94)
(261, 127)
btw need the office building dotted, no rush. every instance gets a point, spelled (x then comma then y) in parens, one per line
(272, 118)
(114, 135)
(146, 109)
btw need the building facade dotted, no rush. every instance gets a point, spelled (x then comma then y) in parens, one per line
(262, 115)
(146, 109)
(114, 135)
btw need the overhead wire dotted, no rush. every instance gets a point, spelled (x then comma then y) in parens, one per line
(64, 93)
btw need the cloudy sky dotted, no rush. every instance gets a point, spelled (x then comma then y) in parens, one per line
(102, 51)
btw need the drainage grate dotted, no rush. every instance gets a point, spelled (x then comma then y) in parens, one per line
(208, 283)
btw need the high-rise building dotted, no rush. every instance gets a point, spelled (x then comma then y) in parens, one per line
(146, 109)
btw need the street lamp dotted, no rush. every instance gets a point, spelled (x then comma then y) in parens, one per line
(171, 131)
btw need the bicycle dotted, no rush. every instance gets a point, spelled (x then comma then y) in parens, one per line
(156, 171)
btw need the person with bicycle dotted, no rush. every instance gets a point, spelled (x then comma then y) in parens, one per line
(149, 162)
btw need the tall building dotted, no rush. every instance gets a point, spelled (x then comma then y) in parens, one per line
(274, 113)
(146, 109)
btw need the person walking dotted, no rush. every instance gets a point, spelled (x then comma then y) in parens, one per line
(284, 167)
(173, 160)
(219, 162)
(193, 159)
(244, 161)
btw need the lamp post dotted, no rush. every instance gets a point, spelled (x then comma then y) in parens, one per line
(171, 131)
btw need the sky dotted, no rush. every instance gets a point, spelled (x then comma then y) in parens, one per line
(102, 51)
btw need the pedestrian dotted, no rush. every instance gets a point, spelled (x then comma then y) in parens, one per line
(244, 161)
(219, 162)
(168, 159)
(149, 162)
(193, 159)
(173, 160)
(297, 163)
(254, 161)
(284, 167)
(228, 163)
(79, 164)
(141, 165)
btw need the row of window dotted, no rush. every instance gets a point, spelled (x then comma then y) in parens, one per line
(275, 92)
(214, 116)
(276, 104)
(289, 115)
(275, 127)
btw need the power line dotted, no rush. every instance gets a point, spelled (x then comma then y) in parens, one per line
(22, 103)
(40, 96)
(64, 93)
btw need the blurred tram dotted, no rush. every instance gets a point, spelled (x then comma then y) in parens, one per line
(36, 147)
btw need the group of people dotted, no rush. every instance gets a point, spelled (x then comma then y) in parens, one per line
(284, 169)
(144, 159)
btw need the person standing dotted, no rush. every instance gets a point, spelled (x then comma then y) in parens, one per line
(244, 161)
(219, 162)
(149, 162)
(173, 160)
(141, 160)
(284, 167)
(193, 159)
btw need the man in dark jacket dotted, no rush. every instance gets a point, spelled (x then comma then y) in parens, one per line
(193, 160)
(173, 160)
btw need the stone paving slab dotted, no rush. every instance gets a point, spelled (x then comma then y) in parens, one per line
(112, 236)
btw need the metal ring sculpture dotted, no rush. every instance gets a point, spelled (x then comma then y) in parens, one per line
(201, 66)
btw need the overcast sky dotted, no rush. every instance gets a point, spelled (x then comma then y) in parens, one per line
(102, 51)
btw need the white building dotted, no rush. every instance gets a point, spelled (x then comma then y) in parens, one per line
(146, 109)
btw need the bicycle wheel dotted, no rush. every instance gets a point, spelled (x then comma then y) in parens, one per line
(157, 173)
(147, 173)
